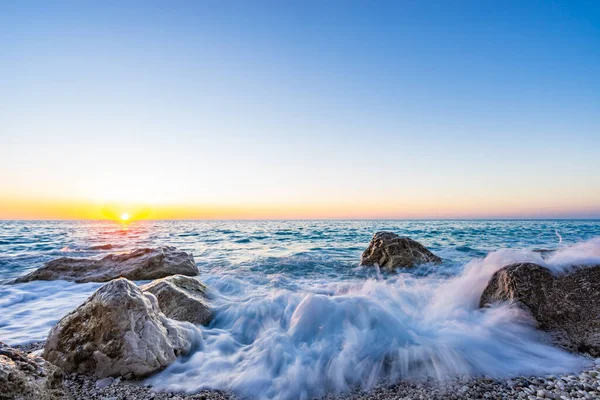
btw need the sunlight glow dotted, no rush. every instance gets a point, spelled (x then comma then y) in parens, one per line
(124, 217)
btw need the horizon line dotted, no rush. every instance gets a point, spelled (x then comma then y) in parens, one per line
(310, 219)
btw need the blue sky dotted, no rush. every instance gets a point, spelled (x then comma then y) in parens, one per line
(303, 109)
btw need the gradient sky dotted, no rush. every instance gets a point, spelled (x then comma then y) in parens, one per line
(307, 109)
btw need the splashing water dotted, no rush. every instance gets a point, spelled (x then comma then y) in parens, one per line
(558, 235)
(332, 337)
(296, 318)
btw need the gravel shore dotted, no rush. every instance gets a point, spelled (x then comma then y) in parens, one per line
(82, 387)
(585, 385)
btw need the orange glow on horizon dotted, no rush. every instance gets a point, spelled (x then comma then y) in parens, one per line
(29, 209)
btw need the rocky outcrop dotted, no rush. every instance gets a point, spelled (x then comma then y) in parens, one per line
(391, 251)
(181, 297)
(118, 331)
(141, 264)
(566, 306)
(26, 377)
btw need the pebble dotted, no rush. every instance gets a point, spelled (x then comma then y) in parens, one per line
(82, 387)
(102, 383)
(585, 385)
(563, 387)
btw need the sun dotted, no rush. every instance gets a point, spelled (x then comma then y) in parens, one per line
(125, 217)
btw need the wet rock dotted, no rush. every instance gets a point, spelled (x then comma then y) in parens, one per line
(566, 306)
(181, 298)
(102, 383)
(25, 377)
(141, 264)
(391, 251)
(107, 246)
(118, 331)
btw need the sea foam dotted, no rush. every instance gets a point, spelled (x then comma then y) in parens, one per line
(295, 317)
(318, 337)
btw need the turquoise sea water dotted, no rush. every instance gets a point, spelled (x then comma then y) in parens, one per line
(295, 316)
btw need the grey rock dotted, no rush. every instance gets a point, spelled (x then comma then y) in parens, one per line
(391, 251)
(25, 377)
(182, 298)
(101, 383)
(107, 246)
(140, 264)
(118, 331)
(566, 306)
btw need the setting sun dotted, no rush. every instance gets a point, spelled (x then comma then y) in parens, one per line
(124, 216)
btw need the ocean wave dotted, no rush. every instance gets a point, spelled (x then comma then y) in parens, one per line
(301, 319)
(30, 310)
(580, 254)
(305, 338)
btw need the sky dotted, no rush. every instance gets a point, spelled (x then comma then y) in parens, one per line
(299, 109)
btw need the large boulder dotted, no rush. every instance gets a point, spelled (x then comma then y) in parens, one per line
(181, 297)
(391, 251)
(565, 306)
(26, 377)
(118, 331)
(141, 264)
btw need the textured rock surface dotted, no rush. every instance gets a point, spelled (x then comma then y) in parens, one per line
(181, 297)
(391, 251)
(27, 377)
(141, 264)
(566, 306)
(118, 331)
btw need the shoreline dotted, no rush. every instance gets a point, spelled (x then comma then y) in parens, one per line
(584, 385)
(355, 337)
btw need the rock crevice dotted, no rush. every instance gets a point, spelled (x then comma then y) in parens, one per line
(182, 298)
(118, 331)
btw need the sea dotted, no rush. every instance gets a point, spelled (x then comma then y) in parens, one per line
(296, 317)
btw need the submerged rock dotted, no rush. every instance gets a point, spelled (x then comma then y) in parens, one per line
(391, 251)
(26, 377)
(107, 246)
(566, 306)
(141, 264)
(181, 297)
(118, 331)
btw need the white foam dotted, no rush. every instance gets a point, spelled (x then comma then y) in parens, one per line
(293, 337)
(29, 310)
(332, 337)
(581, 254)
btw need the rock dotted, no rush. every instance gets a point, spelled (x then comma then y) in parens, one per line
(141, 264)
(182, 298)
(107, 246)
(567, 306)
(390, 251)
(27, 377)
(118, 331)
(102, 383)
